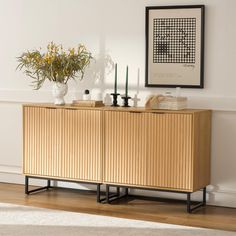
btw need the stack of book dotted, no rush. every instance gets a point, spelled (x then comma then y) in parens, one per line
(88, 103)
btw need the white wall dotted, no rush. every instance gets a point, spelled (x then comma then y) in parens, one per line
(115, 31)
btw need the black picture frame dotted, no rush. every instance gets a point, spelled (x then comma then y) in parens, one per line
(175, 46)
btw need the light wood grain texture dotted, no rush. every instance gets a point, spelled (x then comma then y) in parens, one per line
(109, 108)
(134, 147)
(125, 149)
(202, 150)
(63, 143)
(163, 150)
(42, 142)
(81, 144)
(169, 151)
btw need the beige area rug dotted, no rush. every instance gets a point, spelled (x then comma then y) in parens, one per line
(31, 221)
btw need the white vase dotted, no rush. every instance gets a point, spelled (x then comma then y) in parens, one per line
(59, 90)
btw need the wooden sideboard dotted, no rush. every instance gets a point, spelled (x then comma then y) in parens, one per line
(131, 147)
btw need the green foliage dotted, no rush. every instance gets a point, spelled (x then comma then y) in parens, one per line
(55, 65)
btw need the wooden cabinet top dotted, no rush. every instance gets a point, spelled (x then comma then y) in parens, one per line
(109, 108)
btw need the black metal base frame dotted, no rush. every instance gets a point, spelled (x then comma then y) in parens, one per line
(27, 191)
(48, 186)
(110, 197)
(190, 206)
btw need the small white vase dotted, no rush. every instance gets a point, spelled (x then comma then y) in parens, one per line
(59, 90)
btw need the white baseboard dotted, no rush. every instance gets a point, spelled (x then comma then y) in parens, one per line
(10, 169)
(13, 174)
(215, 198)
(222, 198)
(14, 178)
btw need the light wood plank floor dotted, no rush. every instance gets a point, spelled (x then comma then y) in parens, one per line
(85, 202)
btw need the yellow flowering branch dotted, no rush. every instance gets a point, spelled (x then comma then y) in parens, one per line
(55, 65)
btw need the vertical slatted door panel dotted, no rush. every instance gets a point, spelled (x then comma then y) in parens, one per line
(125, 137)
(170, 151)
(82, 145)
(42, 141)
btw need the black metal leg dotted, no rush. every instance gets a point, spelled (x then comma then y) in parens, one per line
(189, 202)
(26, 185)
(190, 208)
(118, 191)
(126, 191)
(27, 191)
(98, 192)
(107, 193)
(110, 196)
(115, 196)
(204, 196)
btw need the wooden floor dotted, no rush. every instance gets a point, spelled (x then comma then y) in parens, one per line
(85, 202)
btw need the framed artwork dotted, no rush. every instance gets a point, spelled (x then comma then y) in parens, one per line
(175, 46)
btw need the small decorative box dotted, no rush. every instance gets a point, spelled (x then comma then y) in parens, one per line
(166, 102)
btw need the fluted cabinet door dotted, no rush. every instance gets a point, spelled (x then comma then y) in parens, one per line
(81, 144)
(170, 151)
(125, 158)
(63, 143)
(42, 141)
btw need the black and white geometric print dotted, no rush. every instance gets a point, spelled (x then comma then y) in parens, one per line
(174, 40)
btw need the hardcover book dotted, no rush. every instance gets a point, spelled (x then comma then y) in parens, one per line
(88, 103)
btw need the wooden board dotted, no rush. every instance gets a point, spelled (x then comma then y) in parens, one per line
(110, 108)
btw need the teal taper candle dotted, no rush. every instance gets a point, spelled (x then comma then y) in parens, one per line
(115, 85)
(126, 84)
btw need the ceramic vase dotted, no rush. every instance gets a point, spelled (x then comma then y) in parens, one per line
(59, 90)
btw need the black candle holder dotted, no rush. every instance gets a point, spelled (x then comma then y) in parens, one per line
(115, 96)
(126, 101)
